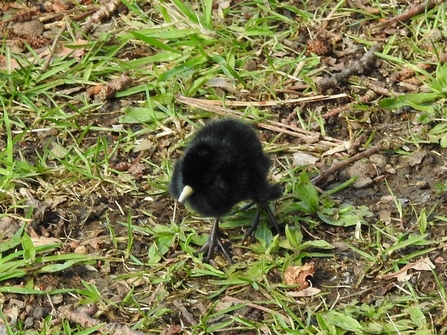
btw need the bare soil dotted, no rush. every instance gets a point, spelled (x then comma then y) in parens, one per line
(85, 218)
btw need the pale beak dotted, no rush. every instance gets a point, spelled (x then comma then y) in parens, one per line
(186, 192)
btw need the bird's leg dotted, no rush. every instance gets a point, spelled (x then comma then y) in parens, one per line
(214, 240)
(243, 208)
(224, 249)
(254, 225)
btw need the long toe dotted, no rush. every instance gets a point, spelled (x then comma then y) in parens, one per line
(213, 241)
(225, 251)
(253, 226)
(271, 218)
(210, 245)
(243, 208)
(204, 249)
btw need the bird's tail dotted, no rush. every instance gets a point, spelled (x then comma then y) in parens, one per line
(274, 191)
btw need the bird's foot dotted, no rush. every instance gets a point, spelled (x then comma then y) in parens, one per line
(254, 225)
(213, 241)
(271, 218)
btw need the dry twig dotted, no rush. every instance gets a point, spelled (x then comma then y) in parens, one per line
(338, 166)
(306, 135)
(53, 48)
(367, 97)
(269, 103)
(259, 307)
(413, 11)
(105, 11)
(355, 69)
(82, 316)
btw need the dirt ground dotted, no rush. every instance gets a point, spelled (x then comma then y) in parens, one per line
(409, 171)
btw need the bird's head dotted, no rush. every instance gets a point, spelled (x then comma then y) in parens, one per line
(198, 169)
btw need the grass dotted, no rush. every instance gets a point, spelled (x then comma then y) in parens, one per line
(83, 188)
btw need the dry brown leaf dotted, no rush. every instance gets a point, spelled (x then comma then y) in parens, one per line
(307, 292)
(73, 244)
(55, 201)
(79, 53)
(137, 169)
(59, 6)
(94, 90)
(76, 53)
(122, 166)
(11, 64)
(424, 264)
(135, 281)
(296, 275)
(143, 145)
(222, 83)
(42, 240)
(172, 330)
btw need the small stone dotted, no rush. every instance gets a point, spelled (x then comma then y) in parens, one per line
(378, 160)
(39, 313)
(81, 250)
(31, 29)
(29, 322)
(416, 158)
(250, 65)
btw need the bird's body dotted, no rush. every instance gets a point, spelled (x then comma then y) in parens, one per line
(223, 165)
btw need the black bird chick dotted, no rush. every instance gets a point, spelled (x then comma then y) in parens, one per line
(223, 165)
